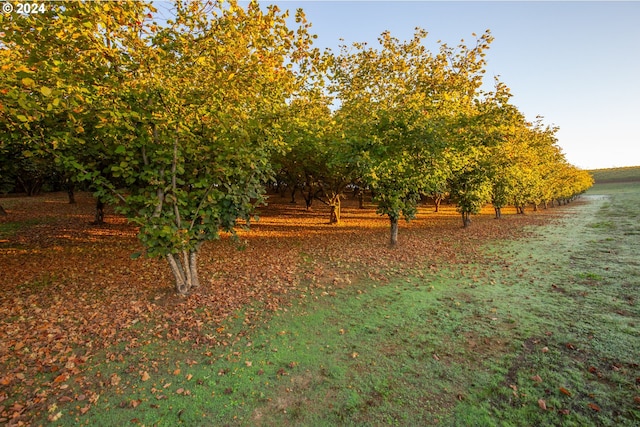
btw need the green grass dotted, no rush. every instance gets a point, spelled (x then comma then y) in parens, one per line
(551, 318)
(613, 175)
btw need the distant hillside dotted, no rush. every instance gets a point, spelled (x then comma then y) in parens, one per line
(627, 174)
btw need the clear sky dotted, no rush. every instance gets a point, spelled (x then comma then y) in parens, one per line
(576, 63)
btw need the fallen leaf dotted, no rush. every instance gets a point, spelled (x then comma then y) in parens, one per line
(145, 376)
(565, 391)
(542, 404)
(55, 417)
(545, 349)
(536, 378)
(594, 407)
(115, 379)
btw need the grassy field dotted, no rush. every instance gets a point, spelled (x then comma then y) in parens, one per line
(612, 175)
(535, 326)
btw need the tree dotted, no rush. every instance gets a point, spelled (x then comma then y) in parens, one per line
(396, 105)
(187, 114)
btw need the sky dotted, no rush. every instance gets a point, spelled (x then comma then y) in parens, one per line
(576, 63)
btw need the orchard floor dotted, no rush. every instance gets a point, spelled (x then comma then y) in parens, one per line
(90, 336)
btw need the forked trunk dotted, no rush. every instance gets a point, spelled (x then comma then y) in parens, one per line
(185, 271)
(394, 230)
(437, 201)
(334, 213)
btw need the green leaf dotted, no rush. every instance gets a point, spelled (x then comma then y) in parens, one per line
(45, 91)
(22, 118)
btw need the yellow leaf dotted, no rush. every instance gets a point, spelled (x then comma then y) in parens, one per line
(45, 91)
(28, 82)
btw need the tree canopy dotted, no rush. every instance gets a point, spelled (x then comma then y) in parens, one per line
(182, 124)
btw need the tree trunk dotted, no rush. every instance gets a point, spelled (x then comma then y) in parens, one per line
(361, 199)
(498, 212)
(293, 195)
(185, 271)
(308, 199)
(99, 212)
(466, 220)
(71, 193)
(437, 200)
(535, 207)
(394, 230)
(334, 214)
(2, 211)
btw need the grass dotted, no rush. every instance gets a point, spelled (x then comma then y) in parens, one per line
(537, 331)
(615, 175)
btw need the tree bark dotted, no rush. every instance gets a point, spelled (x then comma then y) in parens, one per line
(466, 220)
(99, 219)
(498, 212)
(334, 213)
(185, 271)
(71, 193)
(308, 200)
(293, 195)
(2, 211)
(394, 230)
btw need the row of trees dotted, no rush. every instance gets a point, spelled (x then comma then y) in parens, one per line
(183, 124)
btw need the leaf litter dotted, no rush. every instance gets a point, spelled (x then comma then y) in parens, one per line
(71, 291)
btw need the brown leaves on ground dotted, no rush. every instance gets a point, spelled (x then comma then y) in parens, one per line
(70, 288)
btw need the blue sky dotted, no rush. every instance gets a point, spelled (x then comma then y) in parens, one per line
(577, 63)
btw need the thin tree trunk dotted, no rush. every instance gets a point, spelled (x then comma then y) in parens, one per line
(394, 230)
(293, 195)
(2, 211)
(466, 220)
(71, 193)
(308, 199)
(498, 212)
(437, 201)
(334, 205)
(99, 219)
